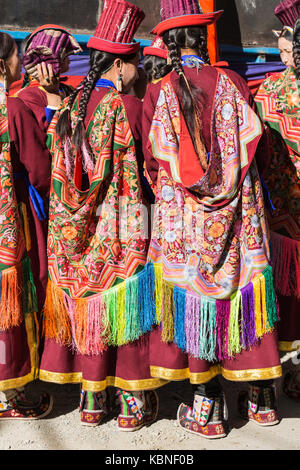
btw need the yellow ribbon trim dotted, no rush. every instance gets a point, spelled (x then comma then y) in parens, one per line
(203, 377)
(110, 381)
(289, 346)
(17, 382)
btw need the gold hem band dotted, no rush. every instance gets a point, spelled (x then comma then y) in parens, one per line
(17, 382)
(289, 346)
(183, 374)
(91, 386)
(204, 377)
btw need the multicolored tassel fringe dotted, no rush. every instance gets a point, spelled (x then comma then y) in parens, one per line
(117, 317)
(204, 327)
(286, 265)
(17, 294)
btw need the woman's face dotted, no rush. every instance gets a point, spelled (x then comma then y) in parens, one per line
(286, 52)
(130, 73)
(13, 66)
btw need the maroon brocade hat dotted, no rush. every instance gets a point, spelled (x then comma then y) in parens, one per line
(181, 13)
(49, 43)
(117, 26)
(157, 48)
(287, 12)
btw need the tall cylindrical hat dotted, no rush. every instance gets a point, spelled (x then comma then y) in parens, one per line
(117, 26)
(287, 12)
(157, 48)
(182, 13)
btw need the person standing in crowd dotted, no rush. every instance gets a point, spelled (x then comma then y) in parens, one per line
(23, 152)
(45, 55)
(213, 286)
(278, 102)
(45, 58)
(156, 61)
(97, 304)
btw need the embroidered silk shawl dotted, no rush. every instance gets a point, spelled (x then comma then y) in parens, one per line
(17, 290)
(278, 101)
(209, 249)
(97, 243)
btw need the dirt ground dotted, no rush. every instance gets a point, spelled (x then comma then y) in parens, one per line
(61, 430)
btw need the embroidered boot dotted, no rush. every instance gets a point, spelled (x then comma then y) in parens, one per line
(259, 405)
(15, 405)
(93, 407)
(207, 418)
(137, 409)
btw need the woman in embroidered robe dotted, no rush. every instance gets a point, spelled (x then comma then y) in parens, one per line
(23, 151)
(45, 56)
(197, 339)
(278, 101)
(97, 298)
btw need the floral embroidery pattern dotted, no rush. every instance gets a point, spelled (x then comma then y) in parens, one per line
(11, 233)
(97, 237)
(278, 101)
(207, 246)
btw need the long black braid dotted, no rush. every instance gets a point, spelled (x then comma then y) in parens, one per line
(24, 45)
(100, 63)
(296, 47)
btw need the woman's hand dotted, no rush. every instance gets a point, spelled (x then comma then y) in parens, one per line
(47, 78)
(50, 83)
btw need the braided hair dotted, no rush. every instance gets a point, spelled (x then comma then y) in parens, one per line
(188, 38)
(23, 48)
(156, 67)
(296, 47)
(100, 63)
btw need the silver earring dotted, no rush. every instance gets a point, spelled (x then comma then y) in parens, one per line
(119, 83)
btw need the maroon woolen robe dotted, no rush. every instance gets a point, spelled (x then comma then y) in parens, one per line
(29, 154)
(27, 139)
(35, 98)
(167, 361)
(126, 367)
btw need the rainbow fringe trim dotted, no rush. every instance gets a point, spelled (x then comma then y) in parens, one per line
(17, 294)
(205, 328)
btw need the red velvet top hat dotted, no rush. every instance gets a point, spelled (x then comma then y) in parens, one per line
(182, 13)
(117, 26)
(287, 12)
(157, 48)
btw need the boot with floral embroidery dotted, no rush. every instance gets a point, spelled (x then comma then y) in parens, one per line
(93, 407)
(137, 409)
(207, 418)
(258, 404)
(15, 405)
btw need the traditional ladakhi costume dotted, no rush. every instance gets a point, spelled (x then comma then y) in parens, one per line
(22, 148)
(97, 306)
(278, 103)
(50, 44)
(213, 283)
